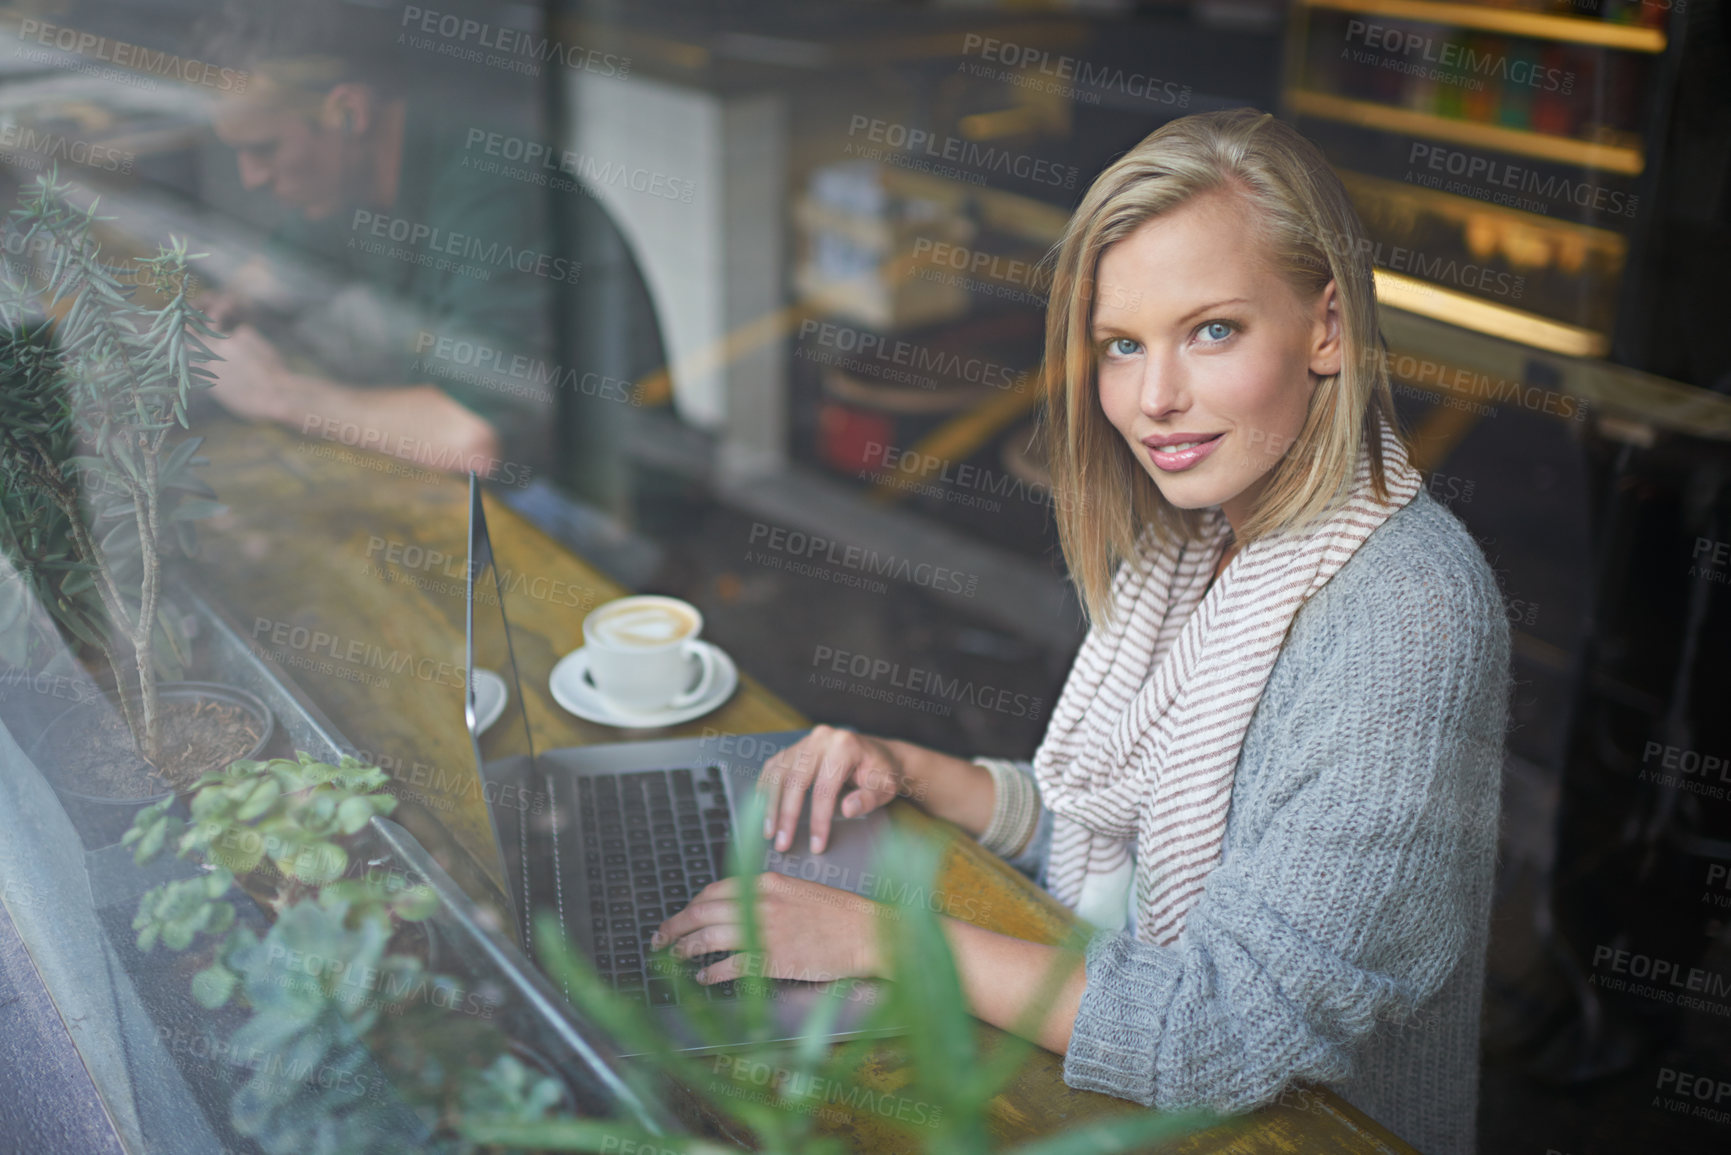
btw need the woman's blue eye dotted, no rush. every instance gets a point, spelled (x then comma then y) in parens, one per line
(1216, 330)
(1122, 347)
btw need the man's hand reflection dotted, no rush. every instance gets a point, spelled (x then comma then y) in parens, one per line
(251, 379)
(417, 422)
(223, 308)
(252, 288)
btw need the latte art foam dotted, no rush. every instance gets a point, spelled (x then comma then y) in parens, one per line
(643, 626)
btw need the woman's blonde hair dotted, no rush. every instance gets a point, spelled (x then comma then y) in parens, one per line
(1104, 496)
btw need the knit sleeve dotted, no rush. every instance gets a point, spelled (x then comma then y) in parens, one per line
(1349, 895)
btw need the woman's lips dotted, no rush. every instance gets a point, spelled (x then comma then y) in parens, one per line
(1178, 460)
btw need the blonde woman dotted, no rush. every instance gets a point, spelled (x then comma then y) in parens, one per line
(1272, 776)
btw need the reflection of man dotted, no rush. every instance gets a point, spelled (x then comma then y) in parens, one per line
(425, 250)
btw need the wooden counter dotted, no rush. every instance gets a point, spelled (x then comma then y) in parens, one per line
(346, 568)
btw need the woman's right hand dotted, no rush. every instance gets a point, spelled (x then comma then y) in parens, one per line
(828, 761)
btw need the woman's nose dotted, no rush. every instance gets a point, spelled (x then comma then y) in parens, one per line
(1163, 386)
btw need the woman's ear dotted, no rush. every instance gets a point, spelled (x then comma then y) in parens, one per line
(1327, 343)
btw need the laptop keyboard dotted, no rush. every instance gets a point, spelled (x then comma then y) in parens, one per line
(651, 840)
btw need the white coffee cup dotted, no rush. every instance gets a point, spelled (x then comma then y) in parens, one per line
(641, 652)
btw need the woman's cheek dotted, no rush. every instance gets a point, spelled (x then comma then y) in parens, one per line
(1118, 399)
(1268, 411)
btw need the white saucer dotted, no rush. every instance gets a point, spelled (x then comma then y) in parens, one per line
(490, 698)
(573, 690)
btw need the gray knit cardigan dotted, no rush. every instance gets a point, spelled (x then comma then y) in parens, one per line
(1341, 940)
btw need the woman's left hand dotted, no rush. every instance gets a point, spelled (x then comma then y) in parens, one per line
(806, 930)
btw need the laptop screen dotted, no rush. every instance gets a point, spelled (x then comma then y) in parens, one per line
(497, 721)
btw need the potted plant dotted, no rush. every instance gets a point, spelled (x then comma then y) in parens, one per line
(98, 491)
(342, 983)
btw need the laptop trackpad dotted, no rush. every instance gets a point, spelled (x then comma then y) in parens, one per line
(848, 863)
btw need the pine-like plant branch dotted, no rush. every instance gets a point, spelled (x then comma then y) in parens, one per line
(121, 374)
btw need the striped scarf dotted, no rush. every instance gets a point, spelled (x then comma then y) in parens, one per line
(1146, 734)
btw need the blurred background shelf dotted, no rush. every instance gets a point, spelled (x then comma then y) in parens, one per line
(1612, 157)
(1508, 159)
(1514, 21)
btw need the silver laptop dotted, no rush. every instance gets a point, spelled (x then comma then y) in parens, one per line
(611, 839)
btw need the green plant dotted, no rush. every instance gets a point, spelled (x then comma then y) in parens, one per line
(285, 823)
(326, 980)
(97, 489)
(954, 1082)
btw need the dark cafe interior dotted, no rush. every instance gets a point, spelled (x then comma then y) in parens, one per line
(865, 576)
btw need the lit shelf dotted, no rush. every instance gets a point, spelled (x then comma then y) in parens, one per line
(1457, 210)
(1536, 25)
(1610, 390)
(1399, 291)
(1618, 158)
